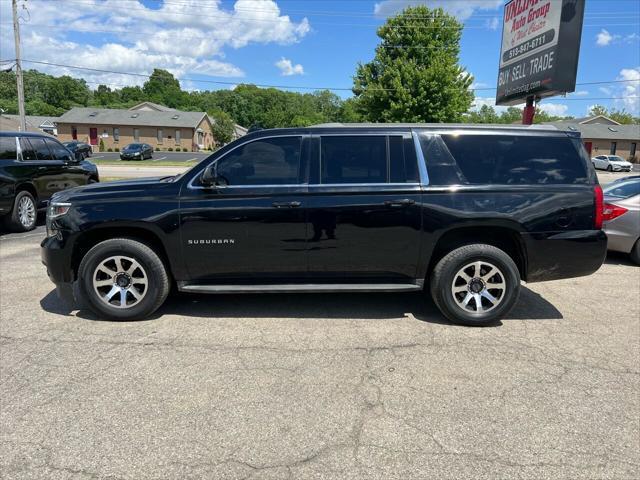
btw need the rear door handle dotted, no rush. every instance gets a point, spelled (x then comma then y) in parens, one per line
(293, 204)
(399, 203)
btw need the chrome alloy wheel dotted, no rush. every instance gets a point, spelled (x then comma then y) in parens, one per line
(120, 281)
(26, 212)
(478, 287)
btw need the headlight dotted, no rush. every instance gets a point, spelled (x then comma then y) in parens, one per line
(57, 209)
(137, 153)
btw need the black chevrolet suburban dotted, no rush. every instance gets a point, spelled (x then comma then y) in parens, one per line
(34, 166)
(465, 212)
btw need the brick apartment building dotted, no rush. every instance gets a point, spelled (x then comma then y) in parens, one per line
(159, 126)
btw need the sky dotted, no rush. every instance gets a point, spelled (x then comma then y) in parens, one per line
(214, 44)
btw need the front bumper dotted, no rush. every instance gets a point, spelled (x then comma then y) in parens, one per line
(56, 257)
(553, 255)
(124, 156)
(621, 168)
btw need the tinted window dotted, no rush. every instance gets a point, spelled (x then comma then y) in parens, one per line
(271, 161)
(624, 190)
(8, 150)
(42, 151)
(502, 159)
(28, 152)
(361, 159)
(58, 151)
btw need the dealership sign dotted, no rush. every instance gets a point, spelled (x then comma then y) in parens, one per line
(540, 46)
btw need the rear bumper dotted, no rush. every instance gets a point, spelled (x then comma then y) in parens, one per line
(552, 256)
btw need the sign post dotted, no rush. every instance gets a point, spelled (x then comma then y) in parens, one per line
(540, 48)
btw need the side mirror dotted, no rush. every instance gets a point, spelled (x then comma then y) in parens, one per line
(77, 157)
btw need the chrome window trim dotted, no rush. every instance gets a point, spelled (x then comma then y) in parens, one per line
(191, 186)
(305, 185)
(422, 166)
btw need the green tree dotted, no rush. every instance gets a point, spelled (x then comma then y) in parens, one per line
(598, 110)
(415, 75)
(223, 127)
(162, 87)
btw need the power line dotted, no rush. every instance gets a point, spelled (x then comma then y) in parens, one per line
(220, 82)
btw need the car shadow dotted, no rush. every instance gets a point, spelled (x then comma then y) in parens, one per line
(619, 258)
(334, 306)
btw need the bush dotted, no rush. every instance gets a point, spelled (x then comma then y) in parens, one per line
(116, 149)
(170, 149)
(184, 149)
(109, 149)
(101, 146)
(158, 149)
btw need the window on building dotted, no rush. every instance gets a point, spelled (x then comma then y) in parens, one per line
(632, 151)
(136, 134)
(614, 147)
(116, 134)
(160, 135)
(272, 161)
(353, 159)
(178, 137)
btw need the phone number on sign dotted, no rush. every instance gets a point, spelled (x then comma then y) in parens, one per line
(532, 44)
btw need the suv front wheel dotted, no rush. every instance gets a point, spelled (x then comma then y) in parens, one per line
(475, 284)
(122, 279)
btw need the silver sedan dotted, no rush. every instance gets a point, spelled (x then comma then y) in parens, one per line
(622, 217)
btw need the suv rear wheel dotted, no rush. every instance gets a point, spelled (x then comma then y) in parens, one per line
(123, 279)
(475, 284)
(24, 215)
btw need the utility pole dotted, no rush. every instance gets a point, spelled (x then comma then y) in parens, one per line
(16, 36)
(529, 111)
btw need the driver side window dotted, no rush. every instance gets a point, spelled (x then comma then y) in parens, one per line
(269, 161)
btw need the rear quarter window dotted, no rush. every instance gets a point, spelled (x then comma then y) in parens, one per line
(502, 160)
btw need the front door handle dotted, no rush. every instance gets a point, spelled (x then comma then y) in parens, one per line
(293, 204)
(399, 203)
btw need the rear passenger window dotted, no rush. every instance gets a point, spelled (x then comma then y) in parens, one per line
(8, 150)
(353, 159)
(58, 151)
(403, 167)
(28, 152)
(502, 159)
(41, 149)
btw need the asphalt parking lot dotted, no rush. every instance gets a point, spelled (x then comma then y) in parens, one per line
(158, 156)
(319, 386)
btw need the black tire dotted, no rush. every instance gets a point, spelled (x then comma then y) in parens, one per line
(155, 291)
(609, 168)
(14, 221)
(446, 271)
(635, 253)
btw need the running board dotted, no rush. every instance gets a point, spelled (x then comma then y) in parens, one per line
(300, 287)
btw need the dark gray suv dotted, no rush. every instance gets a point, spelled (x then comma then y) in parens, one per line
(33, 167)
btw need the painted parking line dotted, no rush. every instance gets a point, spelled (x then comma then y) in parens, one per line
(158, 159)
(94, 157)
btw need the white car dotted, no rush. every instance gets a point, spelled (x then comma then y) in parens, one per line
(611, 163)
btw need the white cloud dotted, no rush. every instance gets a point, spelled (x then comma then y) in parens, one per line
(604, 38)
(462, 9)
(580, 93)
(557, 109)
(490, 101)
(492, 24)
(287, 68)
(629, 91)
(186, 37)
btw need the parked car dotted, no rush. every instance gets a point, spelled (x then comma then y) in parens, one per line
(612, 163)
(136, 151)
(84, 149)
(622, 217)
(33, 167)
(465, 212)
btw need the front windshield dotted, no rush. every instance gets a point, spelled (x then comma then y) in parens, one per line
(615, 158)
(133, 146)
(623, 189)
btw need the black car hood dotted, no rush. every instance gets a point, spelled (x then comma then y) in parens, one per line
(122, 188)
